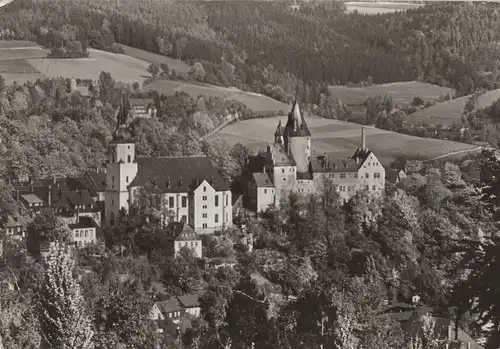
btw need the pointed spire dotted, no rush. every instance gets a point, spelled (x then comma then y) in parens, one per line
(363, 138)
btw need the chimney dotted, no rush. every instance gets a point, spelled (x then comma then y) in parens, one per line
(80, 192)
(363, 138)
(50, 195)
(77, 216)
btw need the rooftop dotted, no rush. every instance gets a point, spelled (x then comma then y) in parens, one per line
(262, 180)
(178, 174)
(181, 231)
(169, 305)
(189, 300)
(83, 223)
(32, 198)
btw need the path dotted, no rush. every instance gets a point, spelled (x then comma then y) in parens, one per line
(218, 128)
(453, 153)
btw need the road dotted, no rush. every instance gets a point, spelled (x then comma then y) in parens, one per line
(454, 153)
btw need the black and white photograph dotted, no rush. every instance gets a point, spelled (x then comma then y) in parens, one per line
(249, 174)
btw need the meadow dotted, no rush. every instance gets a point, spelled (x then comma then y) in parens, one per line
(448, 112)
(340, 139)
(372, 8)
(256, 102)
(154, 58)
(400, 92)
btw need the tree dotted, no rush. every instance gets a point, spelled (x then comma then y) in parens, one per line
(2, 83)
(46, 228)
(136, 86)
(61, 308)
(197, 72)
(154, 70)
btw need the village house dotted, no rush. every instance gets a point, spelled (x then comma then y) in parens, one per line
(141, 108)
(15, 225)
(180, 235)
(190, 304)
(193, 190)
(288, 166)
(84, 231)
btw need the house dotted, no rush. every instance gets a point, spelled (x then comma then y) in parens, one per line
(182, 235)
(84, 231)
(413, 316)
(141, 108)
(193, 190)
(15, 225)
(394, 176)
(169, 309)
(221, 262)
(288, 166)
(190, 304)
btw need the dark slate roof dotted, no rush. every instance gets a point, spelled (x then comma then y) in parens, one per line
(361, 154)
(178, 174)
(181, 231)
(279, 155)
(96, 180)
(304, 176)
(84, 223)
(325, 164)
(140, 102)
(296, 125)
(169, 305)
(189, 301)
(262, 180)
(16, 220)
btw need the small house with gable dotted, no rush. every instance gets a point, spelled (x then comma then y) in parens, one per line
(181, 235)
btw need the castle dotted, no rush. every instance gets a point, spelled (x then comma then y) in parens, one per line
(286, 166)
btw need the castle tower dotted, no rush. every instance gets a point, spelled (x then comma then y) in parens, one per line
(278, 135)
(298, 139)
(120, 171)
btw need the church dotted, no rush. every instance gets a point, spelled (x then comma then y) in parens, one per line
(193, 190)
(287, 166)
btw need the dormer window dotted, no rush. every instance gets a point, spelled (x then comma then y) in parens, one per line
(204, 188)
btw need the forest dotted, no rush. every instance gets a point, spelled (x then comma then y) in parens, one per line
(265, 46)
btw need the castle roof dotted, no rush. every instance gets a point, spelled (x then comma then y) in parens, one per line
(262, 180)
(178, 174)
(122, 133)
(279, 155)
(325, 164)
(296, 125)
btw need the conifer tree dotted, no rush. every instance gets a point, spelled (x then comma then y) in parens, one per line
(63, 319)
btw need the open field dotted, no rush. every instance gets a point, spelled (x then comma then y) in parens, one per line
(17, 44)
(121, 67)
(340, 139)
(154, 58)
(401, 92)
(445, 113)
(371, 8)
(254, 101)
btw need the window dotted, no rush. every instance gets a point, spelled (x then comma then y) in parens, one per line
(282, 170)
(204, 215)
(113, 180)
(184, 201)
(171, 202)
(204, 207)
(129, 158)
(191, 244)
(204, 225)
(374, 187)
(265, 191)
(355, 175)
(226, 199)
(342, 175)
(376, 175)
(227, 217)
(77, 233)
(216, 200)
(112, 202)
(126, 179)
(86, 233)
(216, 218)
(367, 175)
(204, 188)
(204, 198)
(196, 243)
(184, 218)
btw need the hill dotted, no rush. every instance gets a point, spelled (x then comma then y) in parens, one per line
(371, 8)
(254, 101)
(400, 92)
(340, 139)
(154, 58)
(445, 113)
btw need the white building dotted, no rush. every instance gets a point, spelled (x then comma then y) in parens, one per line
(83, 231)
(286, 166)
(182, 235)
(193, 190)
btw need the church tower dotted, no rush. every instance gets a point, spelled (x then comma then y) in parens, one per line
(121, 169)
(298, 139)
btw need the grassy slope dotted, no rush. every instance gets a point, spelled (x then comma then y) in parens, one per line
(370, 8)
(446, 113)
(401, 92)
(254, 101)
(154, 58)
(340, 139)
